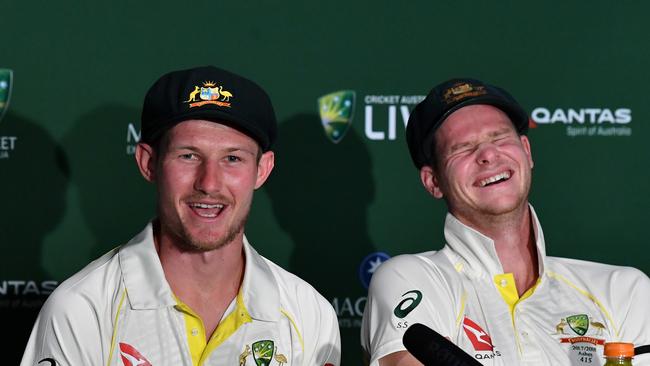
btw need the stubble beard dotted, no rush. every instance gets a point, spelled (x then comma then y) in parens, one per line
(186, 241)
(489, 214)
(190, 243)
(506, 213)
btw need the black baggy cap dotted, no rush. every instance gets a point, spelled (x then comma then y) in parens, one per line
(448, 97)
(212, 94)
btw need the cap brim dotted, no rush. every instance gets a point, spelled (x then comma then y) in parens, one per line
(517, 115)
(217, 116)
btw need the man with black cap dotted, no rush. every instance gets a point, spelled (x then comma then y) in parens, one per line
(189, 289)
(491, 290)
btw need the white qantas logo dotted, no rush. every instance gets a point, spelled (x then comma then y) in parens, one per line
(131, 356)
(479, 338)
(479, 334)
(134, 361)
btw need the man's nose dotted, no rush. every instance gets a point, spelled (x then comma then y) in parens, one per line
(209, 178)
(486, 153)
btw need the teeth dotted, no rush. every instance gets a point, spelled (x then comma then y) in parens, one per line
(496, 178)
(205, 205)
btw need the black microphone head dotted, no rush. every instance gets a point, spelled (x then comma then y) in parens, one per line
(431, 348)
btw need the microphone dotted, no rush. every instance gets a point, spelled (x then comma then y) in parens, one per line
(432, 349)
(641, 350)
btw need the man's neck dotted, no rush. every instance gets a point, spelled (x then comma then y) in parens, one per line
(206, 281)
(514, 240)
(517, 252)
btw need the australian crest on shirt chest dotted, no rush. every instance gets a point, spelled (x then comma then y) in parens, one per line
(583, 336)
(263, 352)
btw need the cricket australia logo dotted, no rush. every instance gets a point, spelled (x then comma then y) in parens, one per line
(585, 327)
(336, 111)
(6, 76)
(578, 323)
(264, 352)
(209, 93)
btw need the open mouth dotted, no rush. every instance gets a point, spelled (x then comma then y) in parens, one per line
(207, 210)
(495, 179)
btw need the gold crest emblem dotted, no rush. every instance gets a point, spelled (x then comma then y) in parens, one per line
(209, 93)
(264, 353)
(462, 91)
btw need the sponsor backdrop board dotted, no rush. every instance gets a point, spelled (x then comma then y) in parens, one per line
(343, 77)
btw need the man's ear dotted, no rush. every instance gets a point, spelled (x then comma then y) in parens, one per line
(145, 157)
(430, 181)
(264, 168)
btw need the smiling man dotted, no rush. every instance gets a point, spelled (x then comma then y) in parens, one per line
(190, 289)
(492, 290)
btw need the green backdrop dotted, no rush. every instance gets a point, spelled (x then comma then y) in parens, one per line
(70, 189)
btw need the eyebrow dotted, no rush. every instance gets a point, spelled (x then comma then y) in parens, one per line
(183, 147)
(228, 150)
(233, 149)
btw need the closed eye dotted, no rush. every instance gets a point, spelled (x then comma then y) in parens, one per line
(503, 134)
(504, 139)
(461, 149)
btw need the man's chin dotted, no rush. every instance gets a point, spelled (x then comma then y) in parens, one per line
(503, 207)
(192, 236)
(209, 239)
(204, 246)
(206, 243)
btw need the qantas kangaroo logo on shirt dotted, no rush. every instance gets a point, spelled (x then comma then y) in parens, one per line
(131, 356)
(480, 340)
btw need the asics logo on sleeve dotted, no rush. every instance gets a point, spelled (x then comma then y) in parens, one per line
(131, 356)
(408, 304)
(51, 361)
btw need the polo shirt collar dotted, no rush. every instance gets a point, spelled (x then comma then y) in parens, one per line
(144, 278)
(260, 288)
(476, 254)
(147, 287)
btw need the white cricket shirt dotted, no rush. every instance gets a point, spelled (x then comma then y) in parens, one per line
(120, 310)
(462, 293)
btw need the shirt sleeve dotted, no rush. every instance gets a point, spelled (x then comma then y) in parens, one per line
(321, 336)
(66, 333)
(405, 290)
(633, 314)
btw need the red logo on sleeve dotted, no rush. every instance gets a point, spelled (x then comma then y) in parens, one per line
(131, 356)
(480, 340)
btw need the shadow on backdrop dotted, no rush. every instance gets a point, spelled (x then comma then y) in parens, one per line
(33, 183)
(115, 200)
(320, 193)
